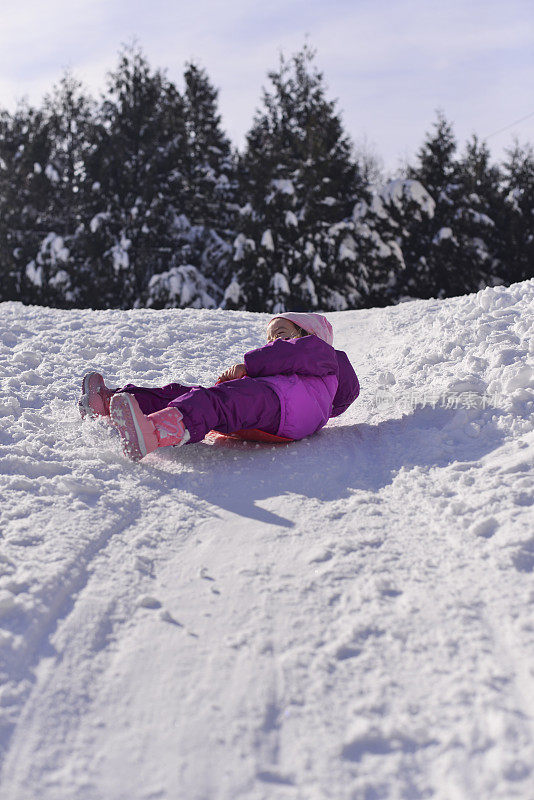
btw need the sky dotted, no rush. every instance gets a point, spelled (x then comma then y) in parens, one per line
(389, 63)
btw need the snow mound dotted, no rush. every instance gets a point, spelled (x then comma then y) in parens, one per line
(349, 616)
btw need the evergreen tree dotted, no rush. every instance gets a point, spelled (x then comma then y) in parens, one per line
(476, 217)
(300, 182)
(455, 249)
(385, 241)
(211, 185)
(142, 201)
(211, 164)
(436, 169)
(434, 273)
(69, 113)
(136, 178)
(25, 183)
(517, 258)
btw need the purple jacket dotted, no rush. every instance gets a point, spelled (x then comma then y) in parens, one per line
(312, 380)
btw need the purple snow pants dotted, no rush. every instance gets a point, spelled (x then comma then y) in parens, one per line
(227, 407)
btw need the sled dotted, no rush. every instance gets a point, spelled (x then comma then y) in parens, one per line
(249, 435)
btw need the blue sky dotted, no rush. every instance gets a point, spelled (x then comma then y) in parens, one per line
(390, 64)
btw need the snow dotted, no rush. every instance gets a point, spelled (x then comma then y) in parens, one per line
(267, 240)
(349, 616)
(481, 219)
(52, 173)
(34, 274)
(396, 193)
(442, 234)
(180, 286)
(242, 245)
(233, 292)
(54, 246)
(279, 284)
(308, 286)
(347, 249)
(52, 249)
(61, 278)
(97, 220)
(318, 264)
(119, 254)
(291, 219)
(283, 185)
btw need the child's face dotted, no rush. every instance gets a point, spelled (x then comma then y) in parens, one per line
(281, 328)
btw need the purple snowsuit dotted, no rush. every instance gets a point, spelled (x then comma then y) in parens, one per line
(292, 389)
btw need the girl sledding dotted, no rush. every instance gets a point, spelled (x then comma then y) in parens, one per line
(288, 388)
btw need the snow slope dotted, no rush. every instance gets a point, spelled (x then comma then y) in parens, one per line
(347, 617)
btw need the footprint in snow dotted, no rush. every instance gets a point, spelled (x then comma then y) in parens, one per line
(523, 558)
(147, 601)
(144, 565)
(204, 574)
(320, 555)
(374, 741)
(166, 616)
(206, 577)
(485, 528)
(354, 646)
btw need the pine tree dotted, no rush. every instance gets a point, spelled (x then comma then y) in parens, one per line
(454, 252)
(476, 218)
(210, 163)
(211, 185)
(436, 169)
(136, 175)
(69, 113)
(300, 182)
(517, 257)
(435, 273)
(384, 232)
(25, 183)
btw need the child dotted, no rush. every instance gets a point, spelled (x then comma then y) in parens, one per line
(290, 387)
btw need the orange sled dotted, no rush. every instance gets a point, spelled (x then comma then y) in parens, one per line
(253, 435)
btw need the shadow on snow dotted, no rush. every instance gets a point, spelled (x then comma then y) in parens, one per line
(331, 465)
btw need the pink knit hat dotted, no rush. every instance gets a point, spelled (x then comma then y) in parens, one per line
(313, 323)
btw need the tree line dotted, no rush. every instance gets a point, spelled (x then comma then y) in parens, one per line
(140, 200)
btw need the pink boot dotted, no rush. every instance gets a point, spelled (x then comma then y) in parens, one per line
(95, 396)
(143, 434)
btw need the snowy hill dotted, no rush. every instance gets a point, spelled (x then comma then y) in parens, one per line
(347, 617)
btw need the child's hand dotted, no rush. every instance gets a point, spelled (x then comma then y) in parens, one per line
(233, 373)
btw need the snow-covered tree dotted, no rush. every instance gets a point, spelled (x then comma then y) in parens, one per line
(57, 267)
(517, 258)
(299, 181)
(70, 113)
(477, 217)
(384, 242)
(434, 272)
(26, 180)
(136, 180)
(181, 287)
(211, 179)
(142, 201)
(453, 252)
(210, 173)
